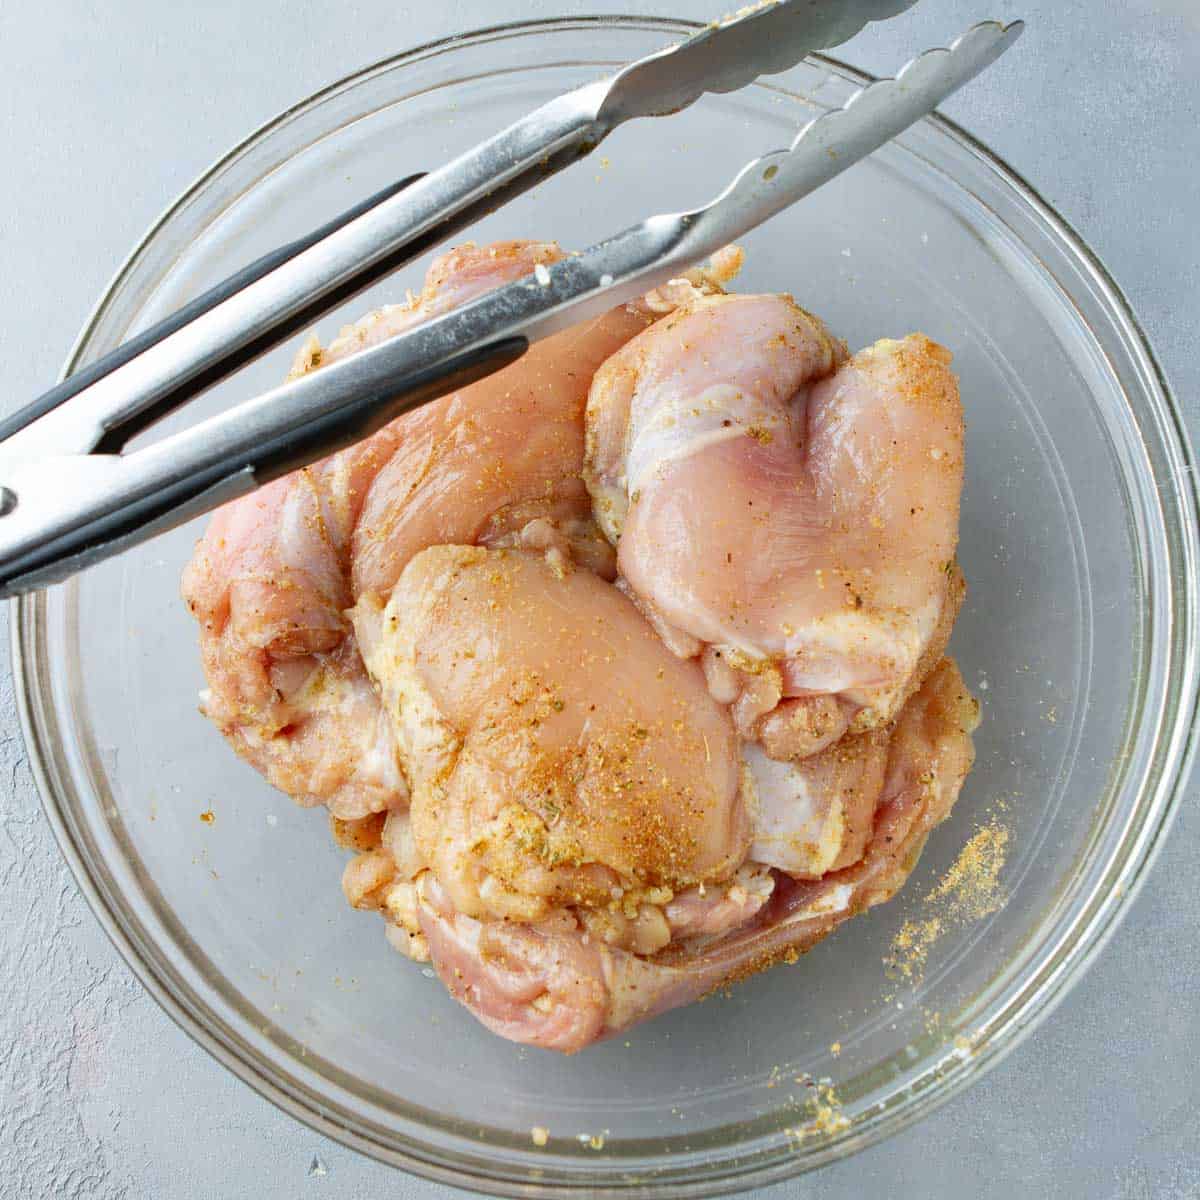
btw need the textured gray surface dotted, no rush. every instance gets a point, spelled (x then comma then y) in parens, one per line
(106, 112)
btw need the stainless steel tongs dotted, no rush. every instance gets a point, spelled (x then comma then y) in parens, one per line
(69, 496)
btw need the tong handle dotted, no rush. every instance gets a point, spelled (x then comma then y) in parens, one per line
(205, 302)
(221, 331)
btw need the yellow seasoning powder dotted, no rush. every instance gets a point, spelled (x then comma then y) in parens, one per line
(969, 891)
(823, 1110)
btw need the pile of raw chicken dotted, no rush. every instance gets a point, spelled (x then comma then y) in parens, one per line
(623, 669)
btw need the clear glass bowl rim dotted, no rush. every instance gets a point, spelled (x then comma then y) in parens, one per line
(1054, 971)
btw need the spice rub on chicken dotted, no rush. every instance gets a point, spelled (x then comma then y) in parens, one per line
(559, 755)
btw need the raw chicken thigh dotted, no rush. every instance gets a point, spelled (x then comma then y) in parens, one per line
(562, 984)
(272, 578)
(609, 730)
(785, 514)
(559, 754)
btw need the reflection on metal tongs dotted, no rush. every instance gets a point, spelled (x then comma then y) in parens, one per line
(69, 496)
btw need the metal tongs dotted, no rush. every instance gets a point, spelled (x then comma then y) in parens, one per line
(69, 496)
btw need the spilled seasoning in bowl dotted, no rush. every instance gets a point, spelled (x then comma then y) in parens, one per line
(823, 1110)
(910, 948)
(969, 891)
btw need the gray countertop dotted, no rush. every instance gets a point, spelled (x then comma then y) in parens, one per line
(107, 111)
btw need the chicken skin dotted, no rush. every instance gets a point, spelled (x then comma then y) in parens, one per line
(784, 513)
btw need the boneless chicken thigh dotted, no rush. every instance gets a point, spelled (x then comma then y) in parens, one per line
(560, 983)
(275, 572)
(559, 754)
(784, 513)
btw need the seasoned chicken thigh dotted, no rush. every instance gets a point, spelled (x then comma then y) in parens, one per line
(554, 985)
(786, 514)
(275, 572)
(559, 754)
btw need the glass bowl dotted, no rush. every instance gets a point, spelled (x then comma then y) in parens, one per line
(1078, 540)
